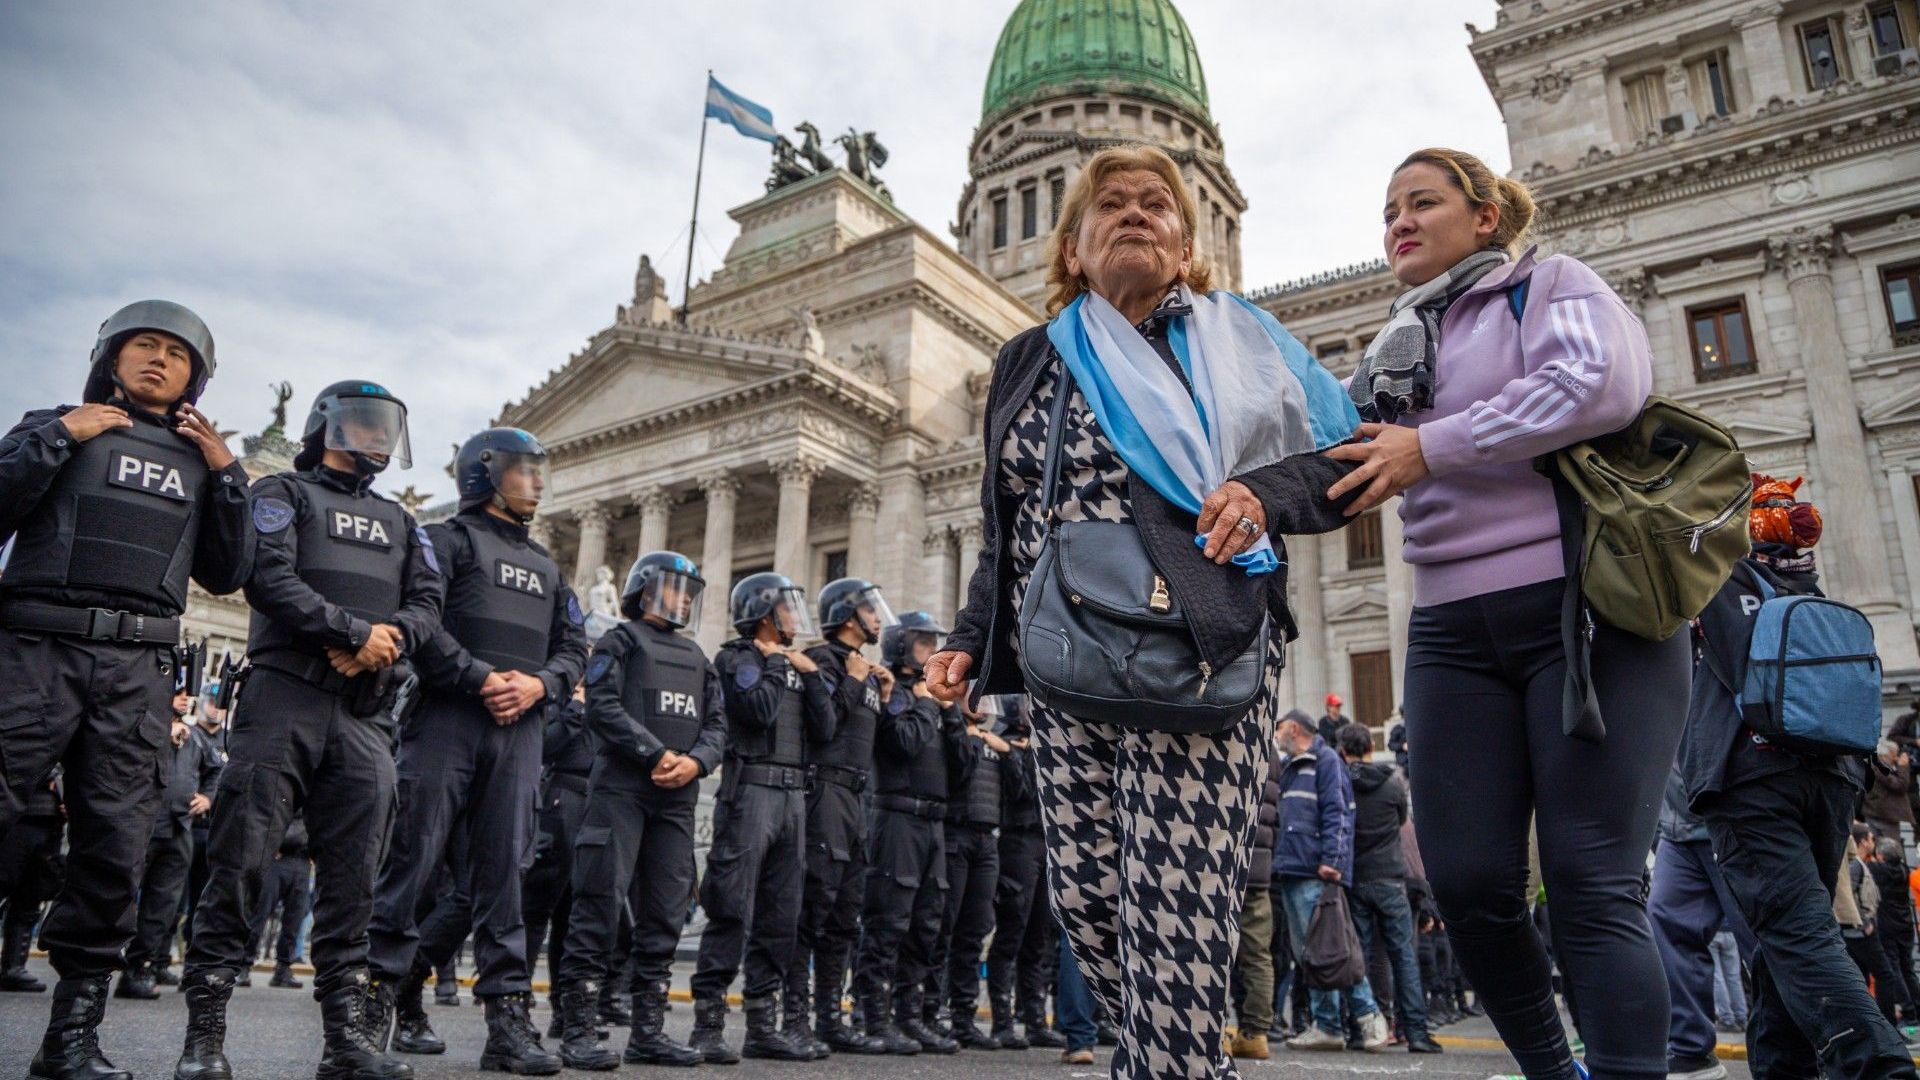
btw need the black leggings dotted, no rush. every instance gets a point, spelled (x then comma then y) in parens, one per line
(1483, 692)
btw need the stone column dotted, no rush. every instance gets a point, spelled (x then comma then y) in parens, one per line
(938, 551)
(897, 568)
(796, 476)
(863, 513)
(1853, 550)
(722, 490)
(1906, 522)
(593, 519)
(1399, 593)
(1766, 56)
(656, 515)
(968, 538)
(1309, 651)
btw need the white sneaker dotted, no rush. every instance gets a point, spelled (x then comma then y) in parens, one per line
(1373, 1031)
(1315, 1038)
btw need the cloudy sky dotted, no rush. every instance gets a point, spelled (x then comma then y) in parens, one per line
(450, 197)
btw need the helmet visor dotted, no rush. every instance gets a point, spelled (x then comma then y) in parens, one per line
(520, 477)
(790, 614)
(870, 607)
(673, 598)
(370, 425)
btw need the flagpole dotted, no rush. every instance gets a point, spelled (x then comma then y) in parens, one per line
(693, 226)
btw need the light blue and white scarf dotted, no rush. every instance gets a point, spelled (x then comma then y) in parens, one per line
(1258, 397)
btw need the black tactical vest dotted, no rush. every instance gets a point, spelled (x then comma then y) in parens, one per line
(981, 804)
(924, 776)
(352, 551)
(785, 743)
(852, 745)
(122, 515)
(501, 607)
(666, 685)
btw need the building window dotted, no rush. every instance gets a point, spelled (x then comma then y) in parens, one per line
(1710, 85)
(1901, 285)
(1646, 102)
(1333, 350)
(1893, 27)
(1722, 340)
(836, 565)
(1820, 49)
(1000, 220)
(1029, 212)
(1363, 542)
(1372, 686)
(1057, 192)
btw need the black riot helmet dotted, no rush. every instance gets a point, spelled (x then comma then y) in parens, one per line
(360, 418)
(759, 596)
(503, 466)
(666, 585)
(896, 644)
(164, 316)
(852, 599)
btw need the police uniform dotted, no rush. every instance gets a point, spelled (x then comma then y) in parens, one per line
(193, 770)
(507, 609)
(1022, 923)
(921, 754)
(973, 874)
(836, 842)
(756, 867)
(34, 866)
(566, 764)
(334, 559)
(649, 690)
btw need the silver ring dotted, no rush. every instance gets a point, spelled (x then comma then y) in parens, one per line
(1247, 526)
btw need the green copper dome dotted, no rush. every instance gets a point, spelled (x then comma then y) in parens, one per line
(1140, 47)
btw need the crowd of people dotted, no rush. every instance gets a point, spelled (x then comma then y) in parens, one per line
(1087, 783)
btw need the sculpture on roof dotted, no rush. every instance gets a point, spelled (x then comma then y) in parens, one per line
(865, 155)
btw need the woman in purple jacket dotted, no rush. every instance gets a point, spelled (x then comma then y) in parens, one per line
(1467, 385)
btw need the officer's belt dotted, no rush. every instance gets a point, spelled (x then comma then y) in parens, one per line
(91, 624)
(934, 809)
(854, 780)
(774, 776)
(574, 782)
(307, 669)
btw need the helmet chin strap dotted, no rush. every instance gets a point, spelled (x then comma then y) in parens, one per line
(367, 465)
(506, 507)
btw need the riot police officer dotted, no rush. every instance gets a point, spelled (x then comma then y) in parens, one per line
(1022, 925)
(853, 613)
(112, 505)
(973, 875)
(510, 639)
(193, 775)
(659, 720)
(566, 766)
(345, 586)
(921, 754)
(775, 701)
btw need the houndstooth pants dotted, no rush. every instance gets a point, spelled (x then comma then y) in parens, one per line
(1148, 838)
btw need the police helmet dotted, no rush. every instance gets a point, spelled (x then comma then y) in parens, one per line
(896, 644)
(760, 595)
(164, 316)
(360, 418)
(503, 466)
(666, 585)
(844, 599)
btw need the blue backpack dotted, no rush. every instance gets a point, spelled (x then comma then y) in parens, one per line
(1813, 675)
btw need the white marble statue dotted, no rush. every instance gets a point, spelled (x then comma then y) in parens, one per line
(602, 597)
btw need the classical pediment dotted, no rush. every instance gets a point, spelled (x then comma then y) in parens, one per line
(1896, 410)
(1363, 605)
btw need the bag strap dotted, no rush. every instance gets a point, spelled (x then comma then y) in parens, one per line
(1579, 708)
(1056, 424)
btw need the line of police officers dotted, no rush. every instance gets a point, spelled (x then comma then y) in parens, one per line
(400, 684)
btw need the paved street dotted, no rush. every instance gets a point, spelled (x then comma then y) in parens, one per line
(275, 1035)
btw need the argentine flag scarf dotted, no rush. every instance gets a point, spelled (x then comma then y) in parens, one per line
(1258, 397)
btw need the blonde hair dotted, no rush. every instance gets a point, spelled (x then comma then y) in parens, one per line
(1062, 286)
(1482, 186)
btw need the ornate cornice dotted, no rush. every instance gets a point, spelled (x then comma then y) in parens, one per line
(1545, 28)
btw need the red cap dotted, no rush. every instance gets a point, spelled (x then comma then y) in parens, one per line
(1334, 699)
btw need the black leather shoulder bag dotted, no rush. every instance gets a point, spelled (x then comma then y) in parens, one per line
(1102, 637)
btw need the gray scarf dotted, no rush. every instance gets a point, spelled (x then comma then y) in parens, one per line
(1395, 376)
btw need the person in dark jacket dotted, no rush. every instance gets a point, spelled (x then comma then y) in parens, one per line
(1253, 966)
(1778, 821)
(1687, 904)
(1331, 721)
(1382, 913)
(288, 890)
(1313, 850)
(1022, 921)
(1895, 932)
(1889, 800)
(193, 776)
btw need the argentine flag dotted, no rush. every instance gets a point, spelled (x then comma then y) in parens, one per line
(753, 121)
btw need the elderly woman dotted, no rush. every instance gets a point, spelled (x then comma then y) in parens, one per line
(1149, 832)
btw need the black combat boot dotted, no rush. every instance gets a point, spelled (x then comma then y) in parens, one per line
(968, 1034)
(1040, 1034)
(347, 1052)
(613, 1007)
(830, 1029)
(911, 1020)
(648, 1043)
(580, 1048)
(376, 1014)
(764, 1037)
(795, 1004)
(412, 1034)
(710, 1032)
(163, 975)
(70, 1050)
(283, 977)
(1000, 1003)
(204, 1056)
(137, 983)
(14, 977)
(512, 1043)
(876, 1019)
